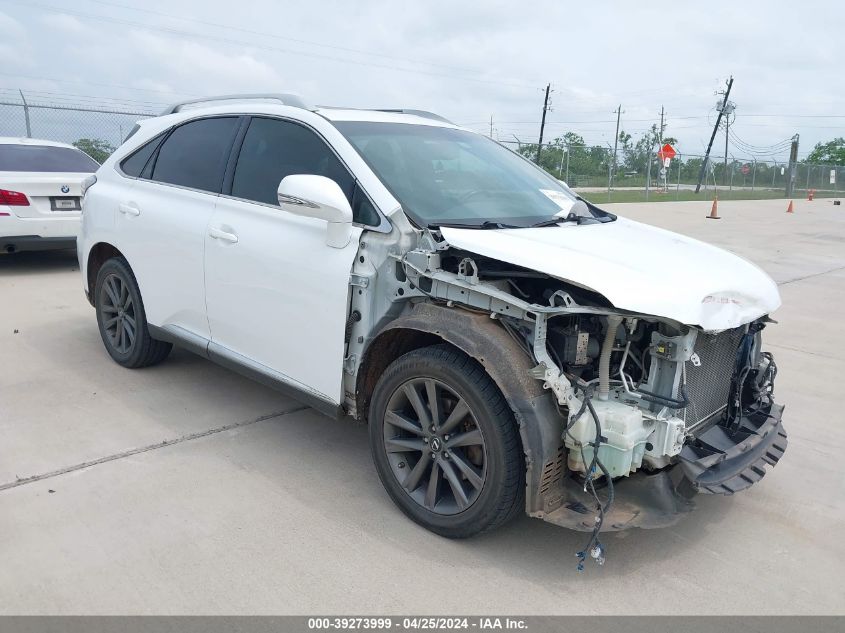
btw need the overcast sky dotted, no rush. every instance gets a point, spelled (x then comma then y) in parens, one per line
(465, 60)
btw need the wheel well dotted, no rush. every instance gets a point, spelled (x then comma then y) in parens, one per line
(389, 346)
(485, 340)
(100, 253)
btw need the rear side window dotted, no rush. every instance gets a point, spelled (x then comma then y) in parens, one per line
(134, 165)
(195, 154)
(273, 149)
(45, 158)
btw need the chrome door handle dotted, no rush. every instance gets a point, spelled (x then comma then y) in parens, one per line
(219, 234)
(129, 209)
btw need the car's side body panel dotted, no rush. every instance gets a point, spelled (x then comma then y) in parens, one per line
(161, 231)
(279, 296)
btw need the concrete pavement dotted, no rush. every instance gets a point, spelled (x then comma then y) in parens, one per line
(256, 505)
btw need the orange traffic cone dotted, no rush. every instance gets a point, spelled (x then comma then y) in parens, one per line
(789, 208)
(714, 214)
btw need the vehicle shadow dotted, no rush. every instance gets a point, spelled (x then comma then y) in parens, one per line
(38, 262)
(526, 547)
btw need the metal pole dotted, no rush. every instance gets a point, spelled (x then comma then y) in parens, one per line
(615, 145)
(659, 148)
(791, 172)
(731, 186)
(568, 152)
(648, 175)
(543, 122)
(678, 188)
(713, 135)
(754, 175)
(727, 127)
(26, 115)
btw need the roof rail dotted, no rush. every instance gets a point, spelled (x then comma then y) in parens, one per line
(420, 113)
(287, 99)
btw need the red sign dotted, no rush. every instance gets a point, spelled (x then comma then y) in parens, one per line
(667, 151)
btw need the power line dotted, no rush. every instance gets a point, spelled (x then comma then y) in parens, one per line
(276, 36)
(254, 45)
(77, 98)
(94, 83)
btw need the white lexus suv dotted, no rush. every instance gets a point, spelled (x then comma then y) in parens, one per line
(512, 346)
(40, 185)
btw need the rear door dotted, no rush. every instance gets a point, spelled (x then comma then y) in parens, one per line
(162, 219)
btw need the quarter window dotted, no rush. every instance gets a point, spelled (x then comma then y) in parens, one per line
(195, 154)
(134, 165)
(273, 149)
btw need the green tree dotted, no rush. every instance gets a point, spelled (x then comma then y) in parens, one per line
(830, 153)
(96, 148)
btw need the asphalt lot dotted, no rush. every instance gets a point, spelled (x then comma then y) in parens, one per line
(261, 506)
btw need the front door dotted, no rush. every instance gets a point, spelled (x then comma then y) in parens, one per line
(276, 294)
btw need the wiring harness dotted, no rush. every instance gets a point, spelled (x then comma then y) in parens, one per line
(594, 547)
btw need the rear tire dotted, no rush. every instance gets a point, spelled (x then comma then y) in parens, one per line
(457, 467)
(122, 320)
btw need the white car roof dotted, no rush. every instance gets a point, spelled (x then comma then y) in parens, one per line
(287, 104)
(384, 116)
(13, 140)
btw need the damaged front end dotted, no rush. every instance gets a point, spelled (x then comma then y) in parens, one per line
(645, 412)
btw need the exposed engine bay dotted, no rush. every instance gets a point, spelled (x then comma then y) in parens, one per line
(646, 411)
(653, 384)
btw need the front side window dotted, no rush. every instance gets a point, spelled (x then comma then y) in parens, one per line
(273, 149)
(195, 154)
(45, 158)
(447, 176)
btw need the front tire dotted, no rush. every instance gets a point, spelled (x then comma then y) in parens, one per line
(445, 443)
(122, 320)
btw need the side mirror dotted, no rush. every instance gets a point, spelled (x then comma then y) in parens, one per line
(318, 197)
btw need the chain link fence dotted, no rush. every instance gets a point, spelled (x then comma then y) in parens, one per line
(596, 171)
(67, 123)
(603, 174)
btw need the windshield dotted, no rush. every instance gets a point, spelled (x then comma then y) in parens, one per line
(41, 158)
(443, 176)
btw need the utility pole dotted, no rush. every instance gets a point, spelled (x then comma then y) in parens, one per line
(713, 135)
(663, 169)
(543, 122)
(615, 148)
(26, 115)
(491, 126)
(727, 129)
(793, 165)
(660, 133)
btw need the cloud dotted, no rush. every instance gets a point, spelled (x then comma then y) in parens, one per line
(464, 60)
(15, 49)
(64, 23)
(198, 67)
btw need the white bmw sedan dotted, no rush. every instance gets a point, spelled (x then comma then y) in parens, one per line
(40, 189)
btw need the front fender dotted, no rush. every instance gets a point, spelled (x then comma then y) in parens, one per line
(484, 339)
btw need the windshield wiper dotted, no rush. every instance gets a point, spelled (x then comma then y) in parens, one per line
(487, 224)
(572, 217)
